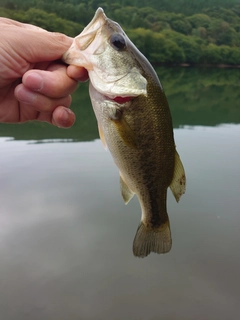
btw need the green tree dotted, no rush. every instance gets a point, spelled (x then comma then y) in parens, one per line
(189, 45)
(168, 52)
(222, 33)
(199, 20)
(182, 26)
(200, 32)
(229, 55)
(210, 54)
(156, 47)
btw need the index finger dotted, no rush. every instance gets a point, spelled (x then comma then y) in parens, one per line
(33, 44)
(53, 82)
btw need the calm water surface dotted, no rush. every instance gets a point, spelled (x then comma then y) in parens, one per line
(66, 235)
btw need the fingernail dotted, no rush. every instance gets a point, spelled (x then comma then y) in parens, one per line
(65, 114)
(25, 95)
(34, 81)
(67, 118)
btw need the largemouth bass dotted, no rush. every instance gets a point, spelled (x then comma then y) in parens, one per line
(134, 123)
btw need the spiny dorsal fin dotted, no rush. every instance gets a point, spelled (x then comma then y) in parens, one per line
(127, 194)
(178, 184)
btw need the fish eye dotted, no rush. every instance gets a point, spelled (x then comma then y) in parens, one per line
(117, 41)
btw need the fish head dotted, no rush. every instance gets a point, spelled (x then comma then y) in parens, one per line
(107, 53)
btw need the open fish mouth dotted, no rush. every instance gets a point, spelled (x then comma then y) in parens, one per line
(103, 96)
(97, 22)
(89, 32)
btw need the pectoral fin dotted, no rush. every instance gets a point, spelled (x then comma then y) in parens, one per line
(101, 135)
(123, 128)
(178, 184)
(127, 194)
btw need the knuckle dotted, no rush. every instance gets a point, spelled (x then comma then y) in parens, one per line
(62, 38)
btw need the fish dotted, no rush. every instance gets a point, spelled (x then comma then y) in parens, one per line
(135, 125)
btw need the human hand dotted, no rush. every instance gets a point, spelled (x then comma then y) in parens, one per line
(33, 84)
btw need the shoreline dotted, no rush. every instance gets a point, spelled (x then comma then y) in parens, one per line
(188, 65)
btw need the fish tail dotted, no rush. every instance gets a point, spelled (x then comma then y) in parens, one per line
(149, 239)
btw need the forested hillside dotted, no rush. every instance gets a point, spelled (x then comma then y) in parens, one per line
(167, 32)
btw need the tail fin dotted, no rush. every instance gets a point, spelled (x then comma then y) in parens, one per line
(148, 239)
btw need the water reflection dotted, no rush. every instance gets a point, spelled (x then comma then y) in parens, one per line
(66, 235)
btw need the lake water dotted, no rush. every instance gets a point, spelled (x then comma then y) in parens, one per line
(66, 235)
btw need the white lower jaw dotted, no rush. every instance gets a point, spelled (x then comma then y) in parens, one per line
(98, 96)
(94, 94)
(120, 87)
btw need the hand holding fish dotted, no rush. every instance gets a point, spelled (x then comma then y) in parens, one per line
(33, 85)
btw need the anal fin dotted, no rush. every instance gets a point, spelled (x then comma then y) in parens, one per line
(178, 184)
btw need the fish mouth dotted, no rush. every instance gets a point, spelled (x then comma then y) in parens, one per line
(100, 96)
(84, 39)
(109, 92)
(96, 22)
(90, 31)
(119, 99)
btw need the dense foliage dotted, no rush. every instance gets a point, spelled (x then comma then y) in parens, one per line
(167, 32)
